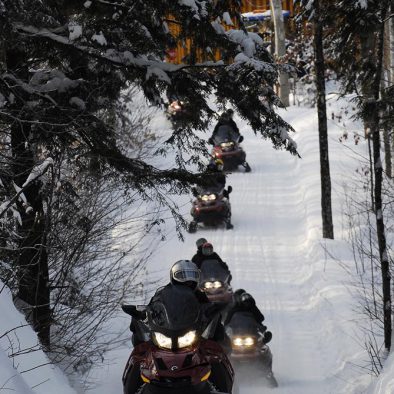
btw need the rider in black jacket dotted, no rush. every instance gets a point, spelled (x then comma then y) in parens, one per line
(244, 302)
(183, 273)
(226, 119)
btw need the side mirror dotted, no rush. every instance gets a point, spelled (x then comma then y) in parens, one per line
(241, 138)
(195, 192)
(229, 189)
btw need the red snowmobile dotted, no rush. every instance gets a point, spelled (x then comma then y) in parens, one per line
(215, 282)
(211, 207)
(178, 356)
(226, 147)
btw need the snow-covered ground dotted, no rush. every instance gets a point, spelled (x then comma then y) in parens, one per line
(276, 253)
(29, 371)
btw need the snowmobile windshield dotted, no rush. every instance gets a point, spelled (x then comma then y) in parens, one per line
(213, 189)
(174, 310)
(243, 323)
(225, 133)
(212, 270)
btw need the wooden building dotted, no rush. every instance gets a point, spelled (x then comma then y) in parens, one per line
(177, 55)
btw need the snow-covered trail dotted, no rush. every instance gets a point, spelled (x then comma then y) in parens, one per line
(276, 253)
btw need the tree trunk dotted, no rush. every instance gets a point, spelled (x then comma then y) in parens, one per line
(378, 170)
(280, 49)
(328, 228)
(32, 261)
(387, 151)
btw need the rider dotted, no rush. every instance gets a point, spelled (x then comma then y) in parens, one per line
(207, 253)
(244, 302)
(216, 176)
(226, 119)
(182, 273)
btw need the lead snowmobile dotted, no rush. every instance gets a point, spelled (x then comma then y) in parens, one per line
(250, 356)
(178, 357)
(226, 147)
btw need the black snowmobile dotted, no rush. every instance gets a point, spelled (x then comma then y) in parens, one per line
(250, 352)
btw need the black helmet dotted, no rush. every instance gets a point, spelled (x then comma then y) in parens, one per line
(185, 272)
(200, 242)
(247, 300)
(239, 292)
(230, 112)
(207, 249)
(237, 295)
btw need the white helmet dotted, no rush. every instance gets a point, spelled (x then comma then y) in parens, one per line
(185, 272)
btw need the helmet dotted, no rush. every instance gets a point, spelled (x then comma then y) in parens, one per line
(230, 112)
(224, 116)
(239, 292)
(247, 300)
(185, 272)
(219, 164)
(207, 249)
(200, 242)
(237, 295)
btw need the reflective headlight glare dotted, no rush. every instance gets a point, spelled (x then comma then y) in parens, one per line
(208, 285)
(217, 284)
(163, 341)
(248, 341)
(187, 340)
(208, 197)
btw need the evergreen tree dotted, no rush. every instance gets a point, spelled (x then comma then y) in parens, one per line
(64, 64)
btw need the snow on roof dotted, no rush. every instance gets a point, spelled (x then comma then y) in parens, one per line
(260, 16)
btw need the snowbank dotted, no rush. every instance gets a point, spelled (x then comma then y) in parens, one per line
(385, 382)
(29, 370)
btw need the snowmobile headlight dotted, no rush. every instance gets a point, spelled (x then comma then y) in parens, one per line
(187, 339)
(248, 341)
(227, 144)
(217, 284)
(208, 197)
(208, 285)
(162, 340)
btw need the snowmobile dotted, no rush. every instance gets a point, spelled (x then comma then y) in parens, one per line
(211, 207)
(177, 109)
(178, 357)
(250, 355)
(215, 282)
(226, 147)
